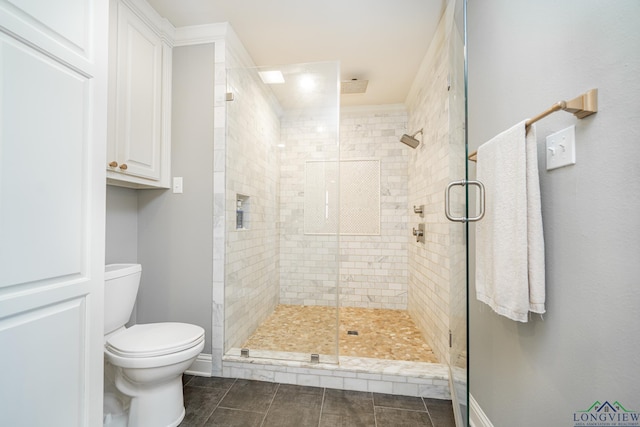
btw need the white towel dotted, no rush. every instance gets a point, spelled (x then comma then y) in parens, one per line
(509, 242)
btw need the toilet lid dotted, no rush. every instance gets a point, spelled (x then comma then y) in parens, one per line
(155, 339)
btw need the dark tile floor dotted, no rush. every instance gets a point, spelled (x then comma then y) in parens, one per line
(244, 403)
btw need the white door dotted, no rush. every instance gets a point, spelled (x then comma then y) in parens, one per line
(52, 204)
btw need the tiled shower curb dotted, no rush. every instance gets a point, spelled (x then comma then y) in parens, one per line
(419, 379)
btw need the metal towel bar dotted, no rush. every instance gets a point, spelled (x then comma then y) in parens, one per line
(581, 107)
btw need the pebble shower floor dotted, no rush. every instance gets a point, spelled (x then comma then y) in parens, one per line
(381, 333)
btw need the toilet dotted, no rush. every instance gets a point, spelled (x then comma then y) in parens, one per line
(145, 362)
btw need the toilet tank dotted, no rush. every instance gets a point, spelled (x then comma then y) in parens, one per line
(121, 283)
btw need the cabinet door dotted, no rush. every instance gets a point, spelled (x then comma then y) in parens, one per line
(53, 85)
(139, 97)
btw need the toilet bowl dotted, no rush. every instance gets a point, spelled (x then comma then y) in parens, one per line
(149, 359)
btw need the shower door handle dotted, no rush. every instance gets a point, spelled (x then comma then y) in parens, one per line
(447, 207)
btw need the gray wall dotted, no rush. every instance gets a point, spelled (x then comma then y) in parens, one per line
(175, 231)
(122, 230)
(122, 225)
(523, 57)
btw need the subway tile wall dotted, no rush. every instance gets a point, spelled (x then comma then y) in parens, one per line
(252, 169)
(308, 263)
(373, 269)
(429, 174)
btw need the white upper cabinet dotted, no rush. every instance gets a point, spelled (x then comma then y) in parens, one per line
(139, 149)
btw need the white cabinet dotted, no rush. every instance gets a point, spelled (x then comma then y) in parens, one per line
(139, 148)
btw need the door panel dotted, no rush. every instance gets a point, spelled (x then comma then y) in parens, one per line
(42, 236)
(52, 204)
(57, 331)
(64, 20)
(457, 205)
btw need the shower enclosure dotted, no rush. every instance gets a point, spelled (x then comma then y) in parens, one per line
(319, 207)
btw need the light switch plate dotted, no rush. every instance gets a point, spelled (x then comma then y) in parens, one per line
(561, 148)
(177, 184)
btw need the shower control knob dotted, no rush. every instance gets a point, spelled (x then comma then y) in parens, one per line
(419, 233)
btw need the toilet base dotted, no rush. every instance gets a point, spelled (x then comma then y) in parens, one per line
(153, 405)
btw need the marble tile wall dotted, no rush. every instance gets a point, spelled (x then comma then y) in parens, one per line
(252, 169)
(373, 269)
(429, 174)
(219, 214)
(308, 263)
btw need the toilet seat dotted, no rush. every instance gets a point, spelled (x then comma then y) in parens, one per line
(154, 340)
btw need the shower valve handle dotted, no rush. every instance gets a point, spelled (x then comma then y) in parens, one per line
(419, 233)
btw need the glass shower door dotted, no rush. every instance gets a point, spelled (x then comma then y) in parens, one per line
(457, 200)
(282, 184)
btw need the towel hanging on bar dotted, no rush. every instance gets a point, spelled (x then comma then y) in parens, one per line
(510, 266)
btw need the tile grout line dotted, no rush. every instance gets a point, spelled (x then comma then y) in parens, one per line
(324, 391)
(221, 399)
(187, 383)
(424, 404)
(428, 412)
(270, 403)
(399, 409)
(373, 405)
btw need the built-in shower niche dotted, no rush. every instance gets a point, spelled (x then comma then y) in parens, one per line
(243, 209)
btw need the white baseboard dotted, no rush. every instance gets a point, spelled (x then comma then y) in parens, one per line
(202, 366)
(477, 417)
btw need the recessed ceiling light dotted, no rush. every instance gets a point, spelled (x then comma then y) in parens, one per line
(307, 83)
(271, 77)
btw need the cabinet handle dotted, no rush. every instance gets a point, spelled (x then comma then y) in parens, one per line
(113, 164)
(123, 166)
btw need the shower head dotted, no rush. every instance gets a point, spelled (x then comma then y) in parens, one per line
(411, 140)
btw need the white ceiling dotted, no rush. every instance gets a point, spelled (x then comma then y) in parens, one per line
(383, 41)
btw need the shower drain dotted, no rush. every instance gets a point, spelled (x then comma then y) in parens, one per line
(352, 332)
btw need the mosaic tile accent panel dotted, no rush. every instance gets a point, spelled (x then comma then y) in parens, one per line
(359, 191)
(321, 197)
(360, 197)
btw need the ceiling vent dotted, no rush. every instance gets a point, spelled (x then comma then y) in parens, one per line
(353, 86)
